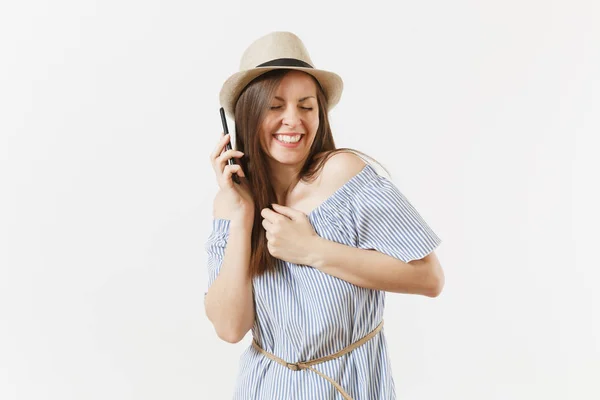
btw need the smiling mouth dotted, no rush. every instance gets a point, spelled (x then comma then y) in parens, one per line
(299, 136)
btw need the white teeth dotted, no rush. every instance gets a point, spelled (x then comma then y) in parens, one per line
(288, 139)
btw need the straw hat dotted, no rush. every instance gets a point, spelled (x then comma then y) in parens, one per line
(277, 50)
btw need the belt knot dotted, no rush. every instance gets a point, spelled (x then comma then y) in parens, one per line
(297, 366)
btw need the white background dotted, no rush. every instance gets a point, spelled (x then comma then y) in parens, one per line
(486, 113)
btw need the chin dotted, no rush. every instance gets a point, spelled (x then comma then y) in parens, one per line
(288, 159)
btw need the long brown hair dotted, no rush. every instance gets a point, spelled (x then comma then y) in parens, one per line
(250, 111)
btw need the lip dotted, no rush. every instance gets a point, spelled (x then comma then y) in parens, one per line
(289, 145)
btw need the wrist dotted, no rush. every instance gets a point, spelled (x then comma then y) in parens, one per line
(242, 222)
(315, 256)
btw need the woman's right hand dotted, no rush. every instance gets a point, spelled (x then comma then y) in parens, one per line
(233, 201)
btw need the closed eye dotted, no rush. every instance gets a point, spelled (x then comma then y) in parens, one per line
(304, 108)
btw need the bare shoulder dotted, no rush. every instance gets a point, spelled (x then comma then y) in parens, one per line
(340, 168)
(336, 171)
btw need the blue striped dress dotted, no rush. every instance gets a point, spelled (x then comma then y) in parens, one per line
(303, 313)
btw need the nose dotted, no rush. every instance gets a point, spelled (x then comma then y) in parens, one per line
(291, 117)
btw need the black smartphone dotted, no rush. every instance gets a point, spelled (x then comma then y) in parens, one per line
(235, 177)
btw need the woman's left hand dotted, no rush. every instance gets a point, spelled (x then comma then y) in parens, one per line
(290, 235)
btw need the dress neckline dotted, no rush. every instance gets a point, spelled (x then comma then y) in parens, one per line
(353, 181)
(366, 169)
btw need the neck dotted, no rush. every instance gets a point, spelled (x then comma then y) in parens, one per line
(284, 180)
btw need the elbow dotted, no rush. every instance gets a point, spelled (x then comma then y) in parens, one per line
(436, 283)
(227, 331)
(429, 275)
(227, 328)
(232, 332)
(230, 336)
(435, 289)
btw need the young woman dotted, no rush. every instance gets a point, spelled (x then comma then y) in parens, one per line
(304, 248)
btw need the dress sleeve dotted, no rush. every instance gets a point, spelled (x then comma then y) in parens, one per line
(387, 222)
(215, 248)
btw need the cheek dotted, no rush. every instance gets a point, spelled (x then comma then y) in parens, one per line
(266, 130)
(268, 127)
(314, 124)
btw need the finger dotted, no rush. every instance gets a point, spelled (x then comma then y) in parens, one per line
(267, 213)
(266, 224)
(220, 145)
(289, 212)
(269, 238)
(226, 179)
(223, 159)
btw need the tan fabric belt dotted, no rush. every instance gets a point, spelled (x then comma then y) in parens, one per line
(308, 364)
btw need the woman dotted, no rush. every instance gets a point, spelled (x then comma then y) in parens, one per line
(308, 276)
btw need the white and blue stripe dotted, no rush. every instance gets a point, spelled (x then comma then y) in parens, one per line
(303, 313)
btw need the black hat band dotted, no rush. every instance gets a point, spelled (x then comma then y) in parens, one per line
(285, 62)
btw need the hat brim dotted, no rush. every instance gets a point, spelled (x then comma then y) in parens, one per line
(331, 83)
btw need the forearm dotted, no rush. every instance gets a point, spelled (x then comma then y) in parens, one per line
(228, 303)
(372, 269)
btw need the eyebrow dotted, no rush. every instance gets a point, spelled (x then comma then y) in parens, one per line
(300, 100)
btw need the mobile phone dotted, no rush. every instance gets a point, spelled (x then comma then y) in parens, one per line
(234, 176)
